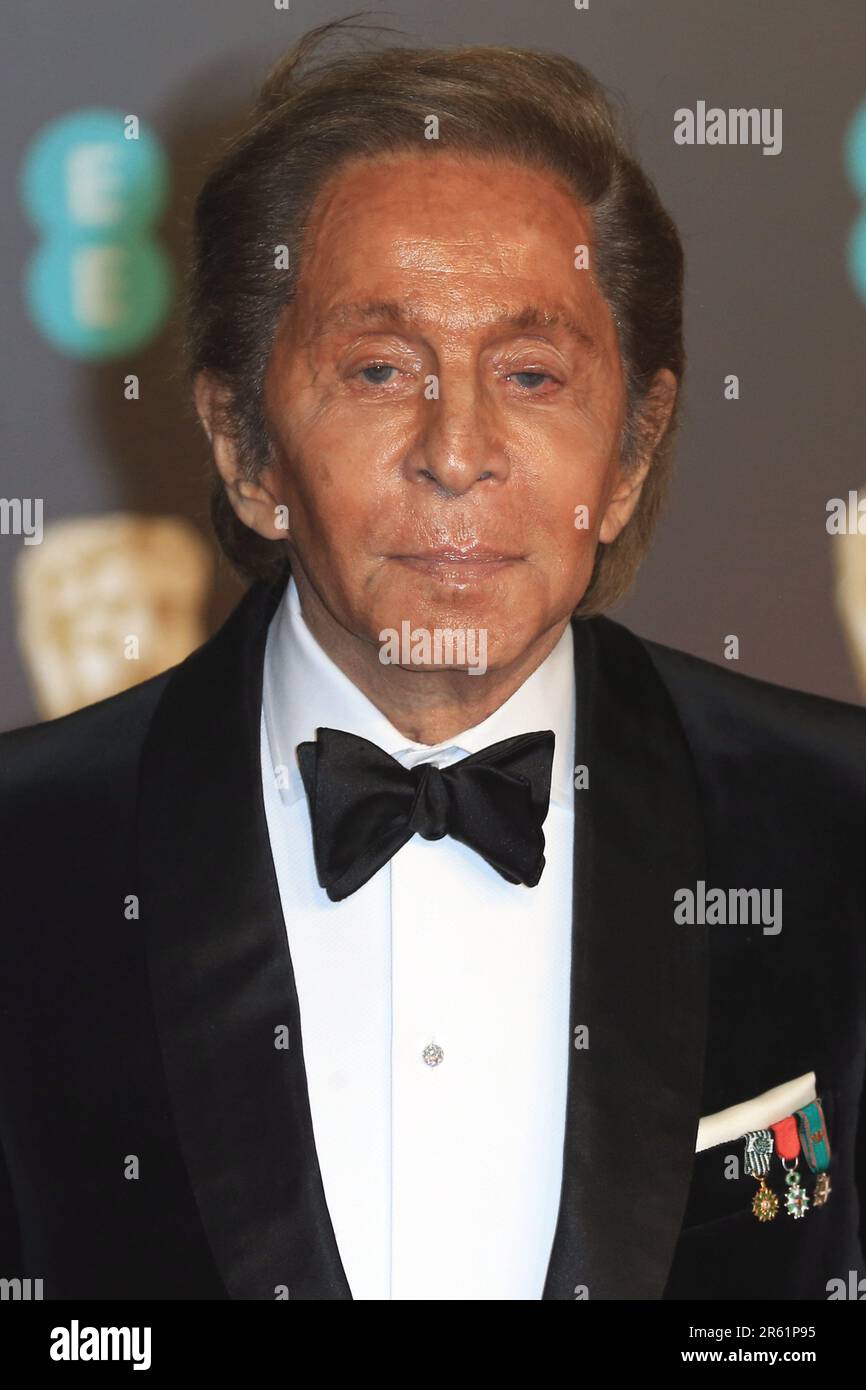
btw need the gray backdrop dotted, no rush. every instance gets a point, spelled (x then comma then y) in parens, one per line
(743, 547)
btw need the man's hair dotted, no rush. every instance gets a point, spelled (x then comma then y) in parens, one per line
(317, 112)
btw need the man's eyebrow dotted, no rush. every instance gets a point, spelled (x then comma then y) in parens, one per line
(389, 312)
(533, 317)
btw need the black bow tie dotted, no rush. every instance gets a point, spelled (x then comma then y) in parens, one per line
(364, 805)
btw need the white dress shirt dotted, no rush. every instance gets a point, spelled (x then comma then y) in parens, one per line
(442, 1181)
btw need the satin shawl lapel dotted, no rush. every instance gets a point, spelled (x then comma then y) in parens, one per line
(639, 981)
(222, 977)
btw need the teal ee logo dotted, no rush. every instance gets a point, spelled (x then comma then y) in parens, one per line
(93, 184)
(855, 166)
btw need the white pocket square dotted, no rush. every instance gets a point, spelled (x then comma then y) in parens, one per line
(758, 1113)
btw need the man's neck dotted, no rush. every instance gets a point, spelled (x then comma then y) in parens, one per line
(426, 706)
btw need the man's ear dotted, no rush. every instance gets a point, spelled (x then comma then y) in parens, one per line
(655, 416)
(253, 500)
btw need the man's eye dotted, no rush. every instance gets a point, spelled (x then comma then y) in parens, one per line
(529, 380)
(374, 368)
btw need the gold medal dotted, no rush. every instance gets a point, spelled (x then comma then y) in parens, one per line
(765, 1203)
(756, 1162)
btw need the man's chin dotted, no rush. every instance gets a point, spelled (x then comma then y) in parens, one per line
(489, 620)
(487, 594)
(440, 641)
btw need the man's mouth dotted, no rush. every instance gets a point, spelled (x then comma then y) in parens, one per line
(456, 563)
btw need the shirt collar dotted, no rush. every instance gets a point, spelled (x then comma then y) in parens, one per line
(303, 689)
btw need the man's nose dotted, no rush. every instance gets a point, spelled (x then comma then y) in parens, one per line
(460, 442)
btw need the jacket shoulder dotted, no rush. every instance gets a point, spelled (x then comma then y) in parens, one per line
(733, 718)
(82, 752)
(736, 696)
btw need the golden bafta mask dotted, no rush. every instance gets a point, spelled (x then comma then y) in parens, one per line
(105, 602)
(849, 554)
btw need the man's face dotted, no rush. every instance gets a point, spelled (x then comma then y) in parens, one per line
(444, 393)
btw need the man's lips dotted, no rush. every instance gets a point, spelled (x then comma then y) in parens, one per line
(470, 554)
(451, 564)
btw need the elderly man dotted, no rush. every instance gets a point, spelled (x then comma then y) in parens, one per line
(426, 934)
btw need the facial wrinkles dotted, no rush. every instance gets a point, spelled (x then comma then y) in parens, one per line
(463, 267)
(529, 444)
(452, 338)
(477, 255)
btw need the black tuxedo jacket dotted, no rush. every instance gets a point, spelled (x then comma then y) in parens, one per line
(156, 1144)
